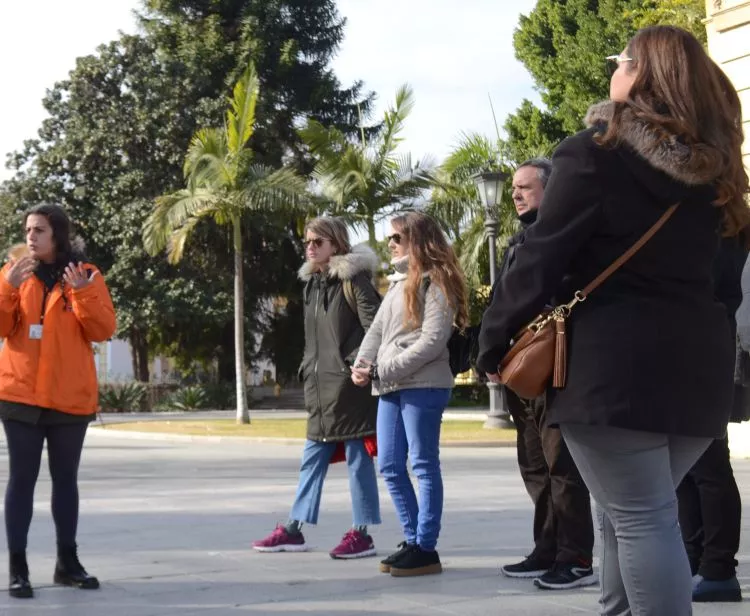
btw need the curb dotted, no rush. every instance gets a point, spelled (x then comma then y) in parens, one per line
(194, 438)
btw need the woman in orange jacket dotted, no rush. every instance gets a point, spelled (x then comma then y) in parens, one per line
(53, 306)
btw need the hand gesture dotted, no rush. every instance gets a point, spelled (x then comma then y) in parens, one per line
(20, 271)
(77, 277)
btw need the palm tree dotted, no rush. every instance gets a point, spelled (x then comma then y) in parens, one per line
(365, 181)
(223, 184)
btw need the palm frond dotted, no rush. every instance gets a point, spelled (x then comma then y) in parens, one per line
(206, 162)
(172, 212)
(178, 238)
(241, 117)
(265, 188)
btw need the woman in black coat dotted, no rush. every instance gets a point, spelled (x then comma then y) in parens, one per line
(340, 304)
(650, 352)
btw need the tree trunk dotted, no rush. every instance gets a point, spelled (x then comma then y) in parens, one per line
(139, 355)
(371, 232)
(243, 416)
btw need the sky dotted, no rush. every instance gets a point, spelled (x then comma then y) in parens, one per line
(454, 53)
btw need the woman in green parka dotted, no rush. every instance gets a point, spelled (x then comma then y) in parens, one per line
(340, 304)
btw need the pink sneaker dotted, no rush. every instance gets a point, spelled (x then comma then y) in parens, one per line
(354, 545)
(281, 541)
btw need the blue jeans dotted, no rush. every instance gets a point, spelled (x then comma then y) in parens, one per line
(363, 482)
(409, 422)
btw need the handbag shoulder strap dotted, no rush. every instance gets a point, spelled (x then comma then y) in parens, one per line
(596, 282)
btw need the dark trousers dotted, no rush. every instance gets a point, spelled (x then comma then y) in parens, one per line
(563, 526)
(711, 513)
(25, 444)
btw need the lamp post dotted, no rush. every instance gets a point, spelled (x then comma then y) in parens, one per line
(490, 186)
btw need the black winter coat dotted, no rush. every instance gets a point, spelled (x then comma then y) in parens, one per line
(651, 349)
(337, 409)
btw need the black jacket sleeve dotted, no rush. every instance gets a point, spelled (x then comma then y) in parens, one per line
(568, 217)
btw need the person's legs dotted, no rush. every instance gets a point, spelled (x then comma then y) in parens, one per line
(691, 519)
(25, 443)
(392, 452)
(316, 458)
(633, 475)
(536, 478)
(363, 484)
(422, 410)
(571, 502)
(64, 447)
(721, 512)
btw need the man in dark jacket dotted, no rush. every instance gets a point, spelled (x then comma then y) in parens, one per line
(563, 528)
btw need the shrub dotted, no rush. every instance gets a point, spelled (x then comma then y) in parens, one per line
(122, 397)
(190, 398)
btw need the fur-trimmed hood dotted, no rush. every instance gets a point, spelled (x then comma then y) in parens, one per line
(362, 258)
(687, 164)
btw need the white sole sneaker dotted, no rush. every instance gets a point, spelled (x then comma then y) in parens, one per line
(364, 554)
(586, 580)
(281, 548)
(523, 575)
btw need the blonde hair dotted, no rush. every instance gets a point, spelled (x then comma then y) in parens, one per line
(18, 251)
(334, 230)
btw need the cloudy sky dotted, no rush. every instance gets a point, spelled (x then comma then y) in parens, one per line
(455, 53)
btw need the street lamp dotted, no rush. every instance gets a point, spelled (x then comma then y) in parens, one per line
(490, 187)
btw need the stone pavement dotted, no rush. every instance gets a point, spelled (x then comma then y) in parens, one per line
(167, 526)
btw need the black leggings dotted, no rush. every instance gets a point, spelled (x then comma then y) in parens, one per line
(25, 444)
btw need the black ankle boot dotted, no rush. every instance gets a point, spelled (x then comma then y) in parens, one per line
(70, 572)
(19, 586)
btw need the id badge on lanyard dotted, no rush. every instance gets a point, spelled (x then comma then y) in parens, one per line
(36, 331)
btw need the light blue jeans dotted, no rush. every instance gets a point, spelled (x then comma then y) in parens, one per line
(633, 477)
(409, 424)
(363, 482)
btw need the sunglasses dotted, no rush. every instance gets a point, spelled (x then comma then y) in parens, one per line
(614, 61)
(317, 241)
(395, 238)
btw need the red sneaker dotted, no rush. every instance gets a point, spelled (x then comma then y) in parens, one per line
(354, 545)
(281, 541)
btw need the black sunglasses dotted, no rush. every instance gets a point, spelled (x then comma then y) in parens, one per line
(395, 238)
(318, 241)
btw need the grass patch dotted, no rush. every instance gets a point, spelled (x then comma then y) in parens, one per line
(452, 431)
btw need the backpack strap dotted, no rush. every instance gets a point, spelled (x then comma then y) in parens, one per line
(349, 296)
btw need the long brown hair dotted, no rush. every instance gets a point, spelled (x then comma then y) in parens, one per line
(430, 252)
(681, 92)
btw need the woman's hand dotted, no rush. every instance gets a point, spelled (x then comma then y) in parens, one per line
(361, 376)
(493, 377)
(77, 277)
(20, 271)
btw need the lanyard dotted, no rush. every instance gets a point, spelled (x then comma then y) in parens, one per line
(44, 304)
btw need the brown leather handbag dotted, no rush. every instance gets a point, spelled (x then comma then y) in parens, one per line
(539, 351)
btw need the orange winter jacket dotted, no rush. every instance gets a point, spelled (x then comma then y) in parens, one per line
(57, 371)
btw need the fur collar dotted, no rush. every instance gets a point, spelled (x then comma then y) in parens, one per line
(345, 267)
(684, 163)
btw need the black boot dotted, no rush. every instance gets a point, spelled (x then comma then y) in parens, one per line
(19, 586)
(70, 572)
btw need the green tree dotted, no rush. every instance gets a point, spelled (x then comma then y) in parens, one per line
(564, 43)
(223, 183)
(365, 179)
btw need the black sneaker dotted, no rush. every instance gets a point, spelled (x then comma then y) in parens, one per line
(415, 562)
(530, 568)
(389, 561)
(563, 576)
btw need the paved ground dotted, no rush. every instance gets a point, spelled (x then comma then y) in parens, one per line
(167, 525)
